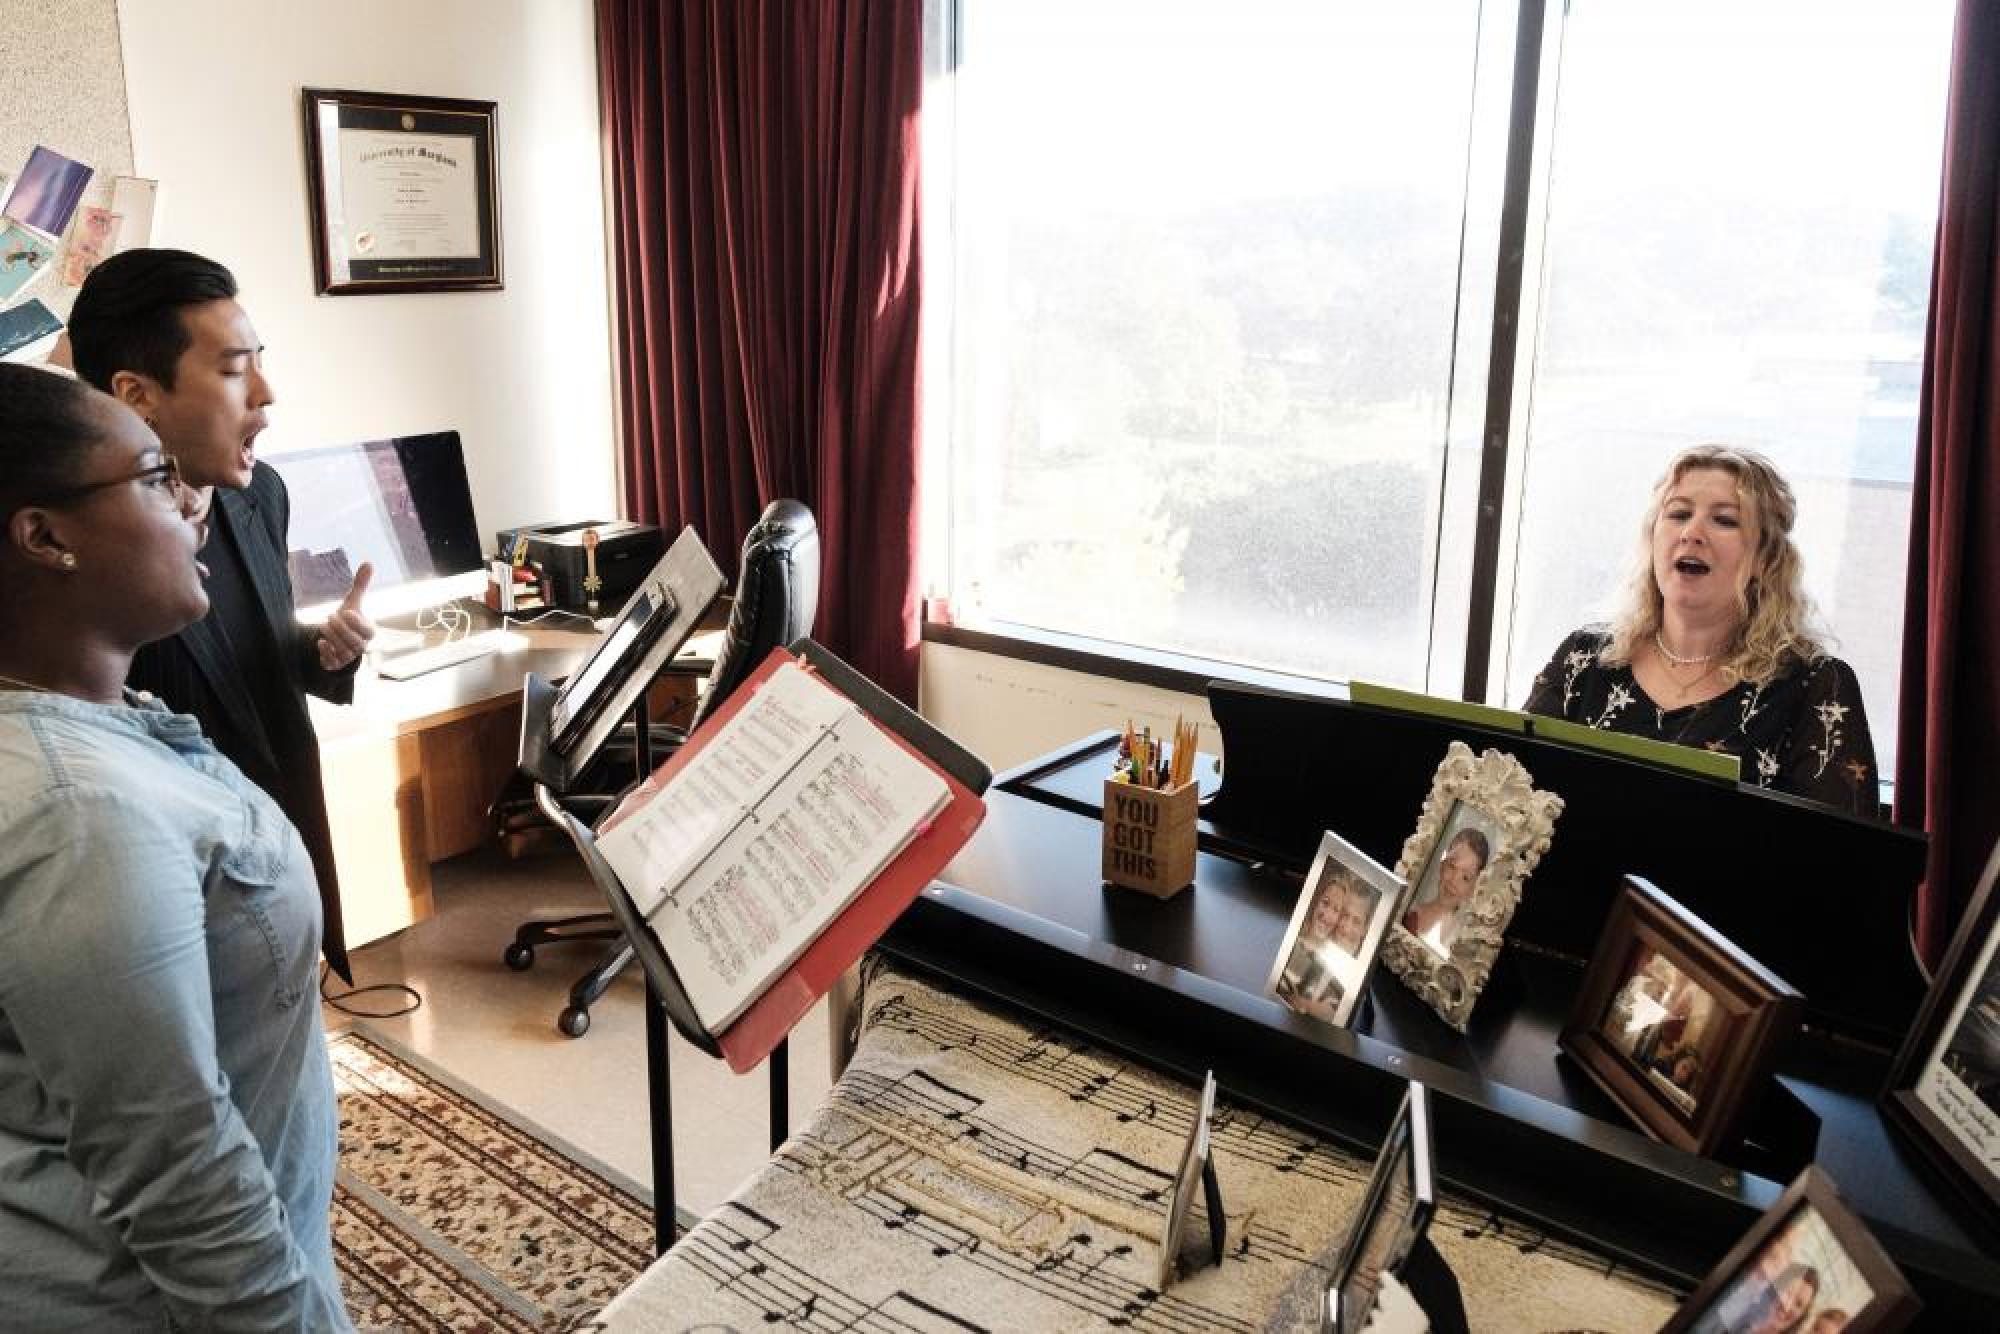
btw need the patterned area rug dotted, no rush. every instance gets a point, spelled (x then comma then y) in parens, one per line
(448, 1216)
(971, 1172)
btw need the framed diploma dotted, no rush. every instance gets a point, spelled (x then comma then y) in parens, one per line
(405, 192)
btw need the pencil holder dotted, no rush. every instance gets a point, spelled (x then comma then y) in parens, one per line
(1149, 837)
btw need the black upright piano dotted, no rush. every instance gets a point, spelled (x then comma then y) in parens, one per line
(1821, 898)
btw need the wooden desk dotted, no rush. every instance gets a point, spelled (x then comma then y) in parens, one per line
(411, 767)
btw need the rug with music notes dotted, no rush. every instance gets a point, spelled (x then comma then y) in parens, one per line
(972, 1172)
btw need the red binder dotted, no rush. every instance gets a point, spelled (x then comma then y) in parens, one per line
(753, 1033)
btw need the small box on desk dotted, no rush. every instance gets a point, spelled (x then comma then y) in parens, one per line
(626, 551)
(1149, 837)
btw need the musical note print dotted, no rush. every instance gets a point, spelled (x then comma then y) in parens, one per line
(1009, 1176)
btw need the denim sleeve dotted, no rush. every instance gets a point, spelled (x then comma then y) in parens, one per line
(104, 975)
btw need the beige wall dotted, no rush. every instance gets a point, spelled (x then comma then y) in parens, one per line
(1007, 711)
(522, 374)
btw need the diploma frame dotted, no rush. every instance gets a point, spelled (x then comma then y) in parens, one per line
(360, 249)
(1967, 980)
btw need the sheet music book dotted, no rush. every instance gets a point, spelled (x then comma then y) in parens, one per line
(782, 839)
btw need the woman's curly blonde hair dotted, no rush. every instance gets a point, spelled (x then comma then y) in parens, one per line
(1775, 627)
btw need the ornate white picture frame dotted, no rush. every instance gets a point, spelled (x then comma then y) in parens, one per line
(1483, 828)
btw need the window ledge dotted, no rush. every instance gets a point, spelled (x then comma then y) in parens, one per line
(1131, 663)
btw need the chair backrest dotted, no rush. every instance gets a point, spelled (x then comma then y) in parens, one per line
(777, 593)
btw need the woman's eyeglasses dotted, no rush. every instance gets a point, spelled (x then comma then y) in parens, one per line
(163, 478)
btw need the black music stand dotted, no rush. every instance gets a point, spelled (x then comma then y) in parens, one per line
(561, 733)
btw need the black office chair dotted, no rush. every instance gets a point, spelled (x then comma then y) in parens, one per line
(777, 590)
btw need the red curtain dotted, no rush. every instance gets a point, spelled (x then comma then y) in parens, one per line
(763, 163)
(1948, 754)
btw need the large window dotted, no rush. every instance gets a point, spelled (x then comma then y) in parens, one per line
(1213, 294)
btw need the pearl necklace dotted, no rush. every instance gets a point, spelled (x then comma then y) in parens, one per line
(1674, 658)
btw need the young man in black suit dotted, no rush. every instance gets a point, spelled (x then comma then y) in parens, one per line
(162, 332)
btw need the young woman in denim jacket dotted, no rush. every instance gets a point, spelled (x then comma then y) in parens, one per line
(167, 1127)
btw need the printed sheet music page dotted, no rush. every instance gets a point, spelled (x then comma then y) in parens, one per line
(746, 854)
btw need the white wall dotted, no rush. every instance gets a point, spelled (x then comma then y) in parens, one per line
(522, 374)
(1007, 711)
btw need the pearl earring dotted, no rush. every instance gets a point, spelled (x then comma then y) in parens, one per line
(69, 560)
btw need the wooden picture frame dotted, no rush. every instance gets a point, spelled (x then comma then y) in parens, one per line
(1943, 1091)
(1676, 1023)
(1806, 1248)
(404, 192)
(1343, 912)
(1483, 819)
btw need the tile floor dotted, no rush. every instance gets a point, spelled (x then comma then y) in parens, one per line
(494, 1029)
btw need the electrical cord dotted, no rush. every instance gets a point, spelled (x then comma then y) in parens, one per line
(337, 999)
(454, 620)
(546, 612)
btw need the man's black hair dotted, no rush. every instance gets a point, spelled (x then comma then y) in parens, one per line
(127, 317)
(47, 430)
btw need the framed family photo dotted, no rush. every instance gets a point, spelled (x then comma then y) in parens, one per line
(1196, 1173)
(1944, 1088)
(1483, 828)
(1678, 1025)
(404, 192)
(1807, 1265)
(1402, 1194)
(1337, 926)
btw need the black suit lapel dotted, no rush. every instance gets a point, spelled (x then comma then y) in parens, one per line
(210, 651)
(266, 566)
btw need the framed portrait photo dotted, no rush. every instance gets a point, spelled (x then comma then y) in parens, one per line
(404, 192)
(1482, 829)
(1676, 1023)
(1944, 1088)
(1807, 1265)
(1402, 1194)
(1343, 912)
(1196, 1173)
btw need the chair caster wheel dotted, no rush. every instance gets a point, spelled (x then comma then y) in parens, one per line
(519, 957)
(573, 1022)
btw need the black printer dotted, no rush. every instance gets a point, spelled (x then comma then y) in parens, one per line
(625, 552)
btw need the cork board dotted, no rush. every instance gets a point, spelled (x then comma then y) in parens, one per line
(64, 88)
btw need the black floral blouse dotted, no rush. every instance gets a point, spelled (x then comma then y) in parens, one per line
(1803, 732)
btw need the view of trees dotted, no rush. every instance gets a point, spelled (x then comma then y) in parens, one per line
(1218, 423)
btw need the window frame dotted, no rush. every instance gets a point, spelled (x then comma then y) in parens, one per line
(1470, 626)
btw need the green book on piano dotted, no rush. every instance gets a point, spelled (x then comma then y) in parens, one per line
(1409, 701)
(1714, 764)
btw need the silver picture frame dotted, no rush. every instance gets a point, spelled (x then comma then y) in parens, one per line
(1343, 913)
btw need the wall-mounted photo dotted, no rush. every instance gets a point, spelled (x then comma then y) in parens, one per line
(404, 191)
(1808, 1265)
(1944, 1089)
(1337, 926)
(1674, 1022)
(1483, 828)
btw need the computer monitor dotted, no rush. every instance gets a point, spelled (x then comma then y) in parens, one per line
(401, 504)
